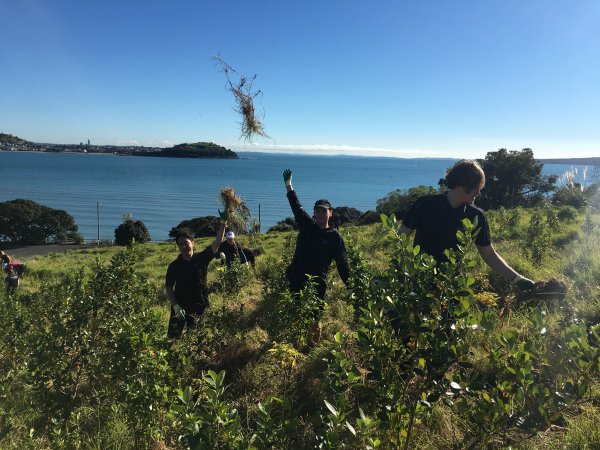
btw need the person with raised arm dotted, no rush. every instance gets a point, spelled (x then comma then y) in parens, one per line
(185, 281)
(317, 245)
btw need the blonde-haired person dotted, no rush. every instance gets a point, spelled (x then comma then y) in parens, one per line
(435, 219)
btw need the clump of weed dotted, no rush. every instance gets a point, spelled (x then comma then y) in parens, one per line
(545, 291)
(244, 95)
(238, 213)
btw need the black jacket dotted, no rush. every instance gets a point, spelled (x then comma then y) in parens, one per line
(315, 248)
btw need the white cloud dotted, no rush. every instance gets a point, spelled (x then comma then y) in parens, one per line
(129, 142)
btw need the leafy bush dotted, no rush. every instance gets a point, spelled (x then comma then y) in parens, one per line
(505, 222)
(570, 196)
(399, 201)
(368, 218)
(131, 231)
(567, 214)
(198, 227)
(287, 224)
(234, 277)
(537, 239)
(93, 341)
(343, 215)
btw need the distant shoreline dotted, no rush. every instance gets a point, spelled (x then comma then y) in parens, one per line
(206, 150)
(243, 154)
(593, 161)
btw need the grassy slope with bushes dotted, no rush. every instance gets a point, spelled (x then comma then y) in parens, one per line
(84, 361)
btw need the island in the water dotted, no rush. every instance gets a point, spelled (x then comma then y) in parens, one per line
(8, 142)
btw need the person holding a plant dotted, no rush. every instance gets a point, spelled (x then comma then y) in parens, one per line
(232, 249)
(435, 219)
(185, 281)
(318, 244)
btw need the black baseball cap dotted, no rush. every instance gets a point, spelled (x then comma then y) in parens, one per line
(323, 204)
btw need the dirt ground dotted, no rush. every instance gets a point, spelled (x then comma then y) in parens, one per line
(36, 250)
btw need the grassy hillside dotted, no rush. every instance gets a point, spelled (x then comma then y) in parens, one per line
(85, 362)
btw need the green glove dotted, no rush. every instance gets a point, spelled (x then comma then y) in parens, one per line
(222, 215)
(523, 284)
(179, 312)
(287, 177)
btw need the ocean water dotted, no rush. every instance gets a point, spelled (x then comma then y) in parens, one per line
(162, 192)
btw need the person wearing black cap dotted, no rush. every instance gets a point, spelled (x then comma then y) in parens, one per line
(185, 281)
(437, 218)
(317, 245)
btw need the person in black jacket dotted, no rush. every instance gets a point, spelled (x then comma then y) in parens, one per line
(232, 249)
(435, 219)
(185, 281)
(317, 245)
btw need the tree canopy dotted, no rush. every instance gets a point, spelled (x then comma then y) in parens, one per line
(27, 222)
(399, 201)
(513, 178)
(196, 150)
(131, 230)
(287, 224)
(344, 214)
(206, 226)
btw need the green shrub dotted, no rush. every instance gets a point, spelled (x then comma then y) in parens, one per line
(368, 218)
(98, 341)
(198, 227)
(287, 224)
(131, 231)
(567, 214)
(569, 196)
(399, 201)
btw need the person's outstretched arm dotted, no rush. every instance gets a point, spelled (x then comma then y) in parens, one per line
(497, 263)
(220, 232)
(300, 215)
(341, 262)
(287, 179)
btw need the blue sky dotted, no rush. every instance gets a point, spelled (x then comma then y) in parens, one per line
(394, 78)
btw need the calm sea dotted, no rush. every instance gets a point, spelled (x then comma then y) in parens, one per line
(162, 192)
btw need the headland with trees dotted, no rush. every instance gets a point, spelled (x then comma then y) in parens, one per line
(9, 142)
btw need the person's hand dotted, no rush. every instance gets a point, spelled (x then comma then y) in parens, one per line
(222, 215)
(523, 284)
(287, 177)
(222, 257)
(179, 312)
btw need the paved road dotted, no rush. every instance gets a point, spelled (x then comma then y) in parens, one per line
(35, 250)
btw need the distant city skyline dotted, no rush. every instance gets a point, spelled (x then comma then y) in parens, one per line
(389, 78)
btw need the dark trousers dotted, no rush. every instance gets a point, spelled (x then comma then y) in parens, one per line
(176, 325)
(297, 284)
